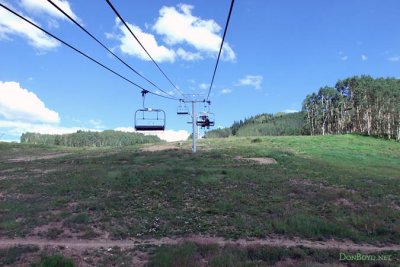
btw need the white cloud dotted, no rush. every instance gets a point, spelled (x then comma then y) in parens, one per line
(167, 135)
(125, 129)
(204, 86)
(395, 58)
(22, 111)
(130, 46)
(97, 124)
(251, 80)
(188, 56)
(16, 128)
(180, 26)
(17, 103)
(364, 57)
(342, 57)
(12, 25)
(43, 6)
(226, 91)
(290, 110)
(172, 136)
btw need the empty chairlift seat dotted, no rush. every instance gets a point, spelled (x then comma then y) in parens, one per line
(148, 119)
(182, 109)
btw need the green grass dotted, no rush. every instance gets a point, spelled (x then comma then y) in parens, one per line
(184, 255)
(342, 187)
(189, 254)
(54, 261)
(10, 256)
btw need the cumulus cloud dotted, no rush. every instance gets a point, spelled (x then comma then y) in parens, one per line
(97, 124)
(251, 80)
(17, 103)
(290, 110)
(186, 28)
(16, 128)
(12, 130)
(226, 91)
(11, 25)
(23, 111)
(188, 56)
(43, 6)
(204, 86)
(128, 45)
(342, 56)
(395, 58)
(167, 135)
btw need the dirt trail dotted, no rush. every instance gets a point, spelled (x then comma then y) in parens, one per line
(162, 147)
(258, 160)
(273, 241)
(37, 157)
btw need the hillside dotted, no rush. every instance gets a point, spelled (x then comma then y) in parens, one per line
(358, 104)
(89, 139)
(326, 192)
(279, 124)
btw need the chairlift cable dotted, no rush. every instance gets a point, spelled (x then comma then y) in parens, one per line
(79, 51)
(129, 29)
(105, 47)
(220, 48)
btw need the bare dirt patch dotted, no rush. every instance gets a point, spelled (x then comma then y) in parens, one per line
(307, 182)
(155, 148)
(346, 203)
(394, 206)
(275, 241)
(35, 157)
(175, 146)
(10, 170)
(258, 160)
(43, 229)
(99, 155)
(18, 174)
(134, 252)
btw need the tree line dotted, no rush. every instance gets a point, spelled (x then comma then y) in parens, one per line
(358, 104)
(264, 124)
(90, 139)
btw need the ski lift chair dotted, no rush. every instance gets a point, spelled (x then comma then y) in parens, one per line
(182, 109)
(205, 120)
(148, 119)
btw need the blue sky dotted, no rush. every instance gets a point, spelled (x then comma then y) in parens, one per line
(276, 53)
